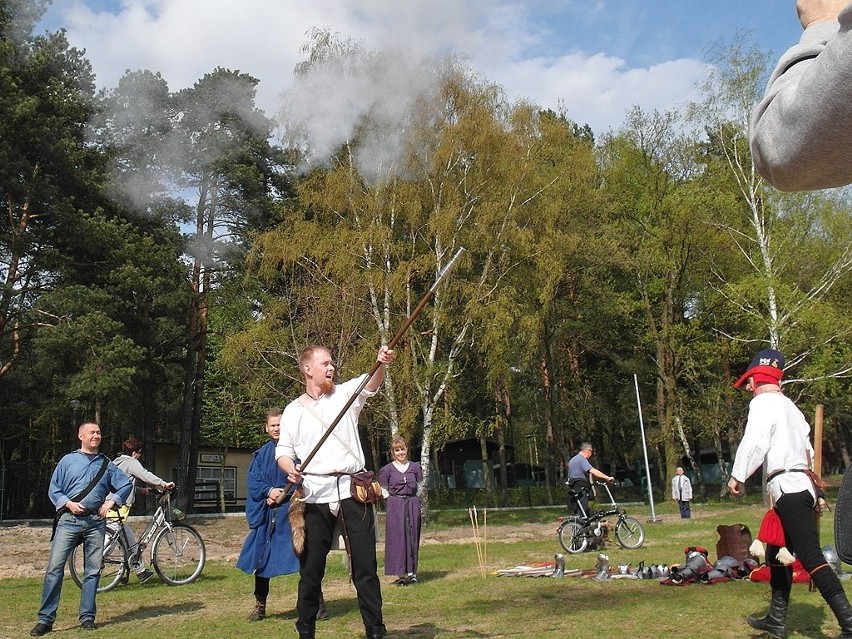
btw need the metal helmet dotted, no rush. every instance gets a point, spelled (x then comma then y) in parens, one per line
(747, 566)
(831, 557)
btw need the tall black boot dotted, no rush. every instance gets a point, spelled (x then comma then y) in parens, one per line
(839, 605)
(775, 622)
(377, 632)
(306, 630)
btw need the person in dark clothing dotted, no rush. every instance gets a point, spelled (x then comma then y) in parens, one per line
(400, 480)
(268, 550)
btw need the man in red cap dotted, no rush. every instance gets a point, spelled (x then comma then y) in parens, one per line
(777, 437)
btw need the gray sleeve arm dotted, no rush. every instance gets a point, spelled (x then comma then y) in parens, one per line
(801, 131)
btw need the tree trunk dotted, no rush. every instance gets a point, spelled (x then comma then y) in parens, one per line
(487, 475)
(502, 414)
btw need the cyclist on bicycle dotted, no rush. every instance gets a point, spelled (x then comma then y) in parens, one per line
(579, 483)
(128, 461)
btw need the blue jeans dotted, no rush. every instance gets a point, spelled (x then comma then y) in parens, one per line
(684, 510)
(70, 531)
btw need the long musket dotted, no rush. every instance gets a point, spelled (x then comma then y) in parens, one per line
(450, 265)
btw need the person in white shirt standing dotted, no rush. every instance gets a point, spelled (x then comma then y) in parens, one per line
(326, 484)
(682, 492)
(777, 437)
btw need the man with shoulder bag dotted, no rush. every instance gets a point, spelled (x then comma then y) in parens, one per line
(84, 487)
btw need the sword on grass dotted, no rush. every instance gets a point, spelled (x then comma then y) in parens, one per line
(296, 512)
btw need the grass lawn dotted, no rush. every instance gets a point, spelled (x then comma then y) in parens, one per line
(454, 600)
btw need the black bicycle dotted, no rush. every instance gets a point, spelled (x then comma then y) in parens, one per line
(577, 533)
(177, 550)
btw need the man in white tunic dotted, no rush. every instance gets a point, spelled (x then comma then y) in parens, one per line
(326, 484)
(777, 438)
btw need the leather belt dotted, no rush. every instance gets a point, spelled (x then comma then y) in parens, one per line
(775, 473)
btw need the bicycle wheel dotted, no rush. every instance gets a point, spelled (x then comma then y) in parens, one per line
(114, 566)
(570, 537)
(178, 554)
(629, 533)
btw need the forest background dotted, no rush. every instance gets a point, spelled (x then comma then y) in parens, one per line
(165, 255)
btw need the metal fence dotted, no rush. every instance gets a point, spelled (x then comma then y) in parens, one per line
(23, 491)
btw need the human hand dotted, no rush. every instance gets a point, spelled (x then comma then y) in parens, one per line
(75, 507)
(813, 11)
(295, 476)
(735, 487)
(105, 508)
(169, 485)
(386, 355)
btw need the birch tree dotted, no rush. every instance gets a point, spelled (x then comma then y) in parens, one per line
(794, 248)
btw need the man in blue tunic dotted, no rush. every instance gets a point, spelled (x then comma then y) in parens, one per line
(268, 549)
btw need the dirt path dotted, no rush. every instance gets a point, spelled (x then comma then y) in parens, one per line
(24, 546)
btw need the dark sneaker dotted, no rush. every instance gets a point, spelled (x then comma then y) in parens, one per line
(88, 624)
(412, 579)
(144, 576)
(40, 629)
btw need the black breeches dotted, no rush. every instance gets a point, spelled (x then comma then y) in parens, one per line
(319, 531)
(801, 536)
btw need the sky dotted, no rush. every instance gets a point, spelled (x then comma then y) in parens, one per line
(592, 58)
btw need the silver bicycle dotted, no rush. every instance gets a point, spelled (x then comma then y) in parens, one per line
(177, 550)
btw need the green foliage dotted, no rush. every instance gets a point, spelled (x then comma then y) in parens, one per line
(653, 251)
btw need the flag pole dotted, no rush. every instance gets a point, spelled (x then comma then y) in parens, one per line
(644, 448)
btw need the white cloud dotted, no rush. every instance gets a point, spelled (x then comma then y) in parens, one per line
(184, 39)
(597, 90)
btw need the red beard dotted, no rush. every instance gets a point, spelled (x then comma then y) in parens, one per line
(326, 386)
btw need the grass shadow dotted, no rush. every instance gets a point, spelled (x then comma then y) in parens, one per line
(429, 575)
(806, 619)
(430, 631)
(152, 612)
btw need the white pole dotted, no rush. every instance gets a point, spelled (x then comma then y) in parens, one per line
(644, 448)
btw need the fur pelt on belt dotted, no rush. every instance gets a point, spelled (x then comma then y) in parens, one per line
(296, 515)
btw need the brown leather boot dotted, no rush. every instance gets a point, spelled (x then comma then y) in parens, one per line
(259, 611)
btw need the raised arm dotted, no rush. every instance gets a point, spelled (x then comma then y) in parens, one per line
(801, 131)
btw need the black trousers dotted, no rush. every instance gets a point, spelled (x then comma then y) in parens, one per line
(800, 533)
(261, 588)
(319, 531)
(579, 492)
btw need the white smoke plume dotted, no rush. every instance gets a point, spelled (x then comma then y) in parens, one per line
(352, 95)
